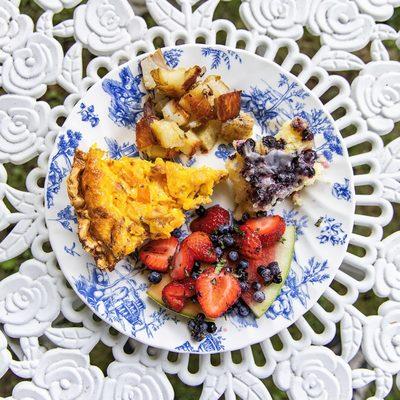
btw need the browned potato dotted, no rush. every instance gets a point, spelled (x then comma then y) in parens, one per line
(192, 143)
(197, 103)
(172, 111)
(238, 128)
(150, 63)
(208, 134)
(144, 134)
(175, 82)
(217, 85)
(156, 151)
(168, 133)
(228, 105)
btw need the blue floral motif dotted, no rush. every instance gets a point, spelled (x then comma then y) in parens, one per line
(120, 300)
(292, 218)
(185, 161)
(210, 343)
(126, 98)
(116, 151)
(342, 191)
(242, 322)
(65, 217)
(71, 250)
(332, 232)
(87, 114)
(60, 164)
(224, 151)
(172, 57)
(220, 56)
(269, 103)
(321, 125)
(296, 288)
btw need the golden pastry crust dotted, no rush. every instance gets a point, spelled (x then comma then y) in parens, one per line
(122, 203)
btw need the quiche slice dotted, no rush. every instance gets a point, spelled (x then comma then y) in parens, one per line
(121, 203)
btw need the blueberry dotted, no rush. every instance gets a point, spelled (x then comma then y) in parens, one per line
(245, 286)
(218, 252)
(200, 317)
(274, 268)
(261, 214)
(243, 264)
(245, 217)
(214, 238)
(203, 327)
(307, 135)
(198, 336)
(280, 144)
(155, 277)
(233, 255)
(242, 275)
(269, 141)
(250, 144)
(261, 270)
(309, 156)
(192, 324)
(197, 264)
(200, 211)
(224, 229)
(195, 274)
(243, 310)
(211, 327)
(256, 286)
(228, 240)
(309, 172)
(258, 296)
(267, 276)
(277, 278)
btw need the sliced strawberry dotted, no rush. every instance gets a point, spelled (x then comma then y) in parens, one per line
(270, 229)
(157, 254)
(182, 263)
(216, 292)
(213, 218)
(249, 243)
(190, 287)
(201, 246)
(174, 296)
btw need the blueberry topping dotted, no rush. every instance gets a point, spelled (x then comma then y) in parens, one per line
(299, 124)
(214, 238)
(274, 268)
(155, 277)
(258, 296)
(192, 324)
(245, 217)
(245, 286)
(256, 286)
(198, 336)
(219, 252)
(242, 275)
(195, 274)
(224, 229)
(228, 240)
(243, 264)
(261, 270)
(201, 211)
(243, 310)
(233, 255)
(211, 327)
(261, 214)
(277, 278)
(307, 135)
(309, 156)
(269, 141)
(200, 317)
(197, 264)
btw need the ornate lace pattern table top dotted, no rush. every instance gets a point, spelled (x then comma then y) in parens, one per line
(46, 335)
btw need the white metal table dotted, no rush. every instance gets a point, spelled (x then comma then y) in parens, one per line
(46, 336)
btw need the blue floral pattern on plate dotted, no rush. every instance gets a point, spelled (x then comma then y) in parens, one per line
(60, 163)
(88, 114)
(119, 297)
(126, 98)
(219, 57)
(296, 288)
(342, 190)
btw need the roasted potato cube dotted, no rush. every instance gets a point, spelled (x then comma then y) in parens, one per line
(217, 85)
(228, 105)
(192, 144)
(238, 128)
(197, 103)
(172, 111)
(150, 63)
(156, 151)
(168, 133)
(175, 82)
(208, 134)
(144, 134)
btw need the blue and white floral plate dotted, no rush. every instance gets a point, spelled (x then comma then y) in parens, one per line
(107, 116)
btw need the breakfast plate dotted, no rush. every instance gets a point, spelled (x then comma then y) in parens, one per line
(107, 116)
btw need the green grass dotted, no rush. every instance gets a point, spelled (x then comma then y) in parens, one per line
(101, 355)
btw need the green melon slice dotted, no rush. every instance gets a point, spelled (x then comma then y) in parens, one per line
(282, 252)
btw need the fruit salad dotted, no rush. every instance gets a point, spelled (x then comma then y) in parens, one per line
(223, 264)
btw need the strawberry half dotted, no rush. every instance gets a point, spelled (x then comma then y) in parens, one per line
(213, 218)
(201, 246)
(176, 294)
(270, 229)
(157, 254)
(182, 263)
(249, 243)
(216, 292)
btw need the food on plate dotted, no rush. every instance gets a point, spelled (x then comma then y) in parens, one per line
(121, 203)
(268, 171)
(224, 265)
(184, 114)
